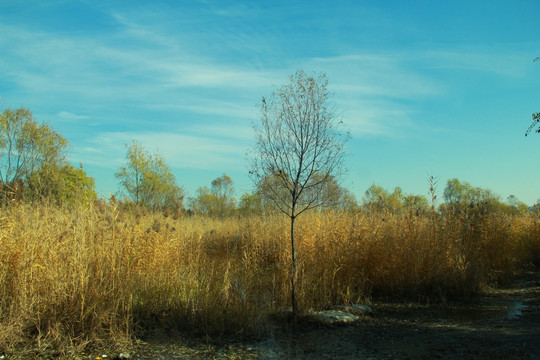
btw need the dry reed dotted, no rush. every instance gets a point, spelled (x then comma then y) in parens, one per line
(102, 276)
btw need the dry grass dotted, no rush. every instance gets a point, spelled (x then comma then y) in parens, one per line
(102, 276)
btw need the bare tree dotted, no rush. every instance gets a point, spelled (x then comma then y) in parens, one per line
(299, 149)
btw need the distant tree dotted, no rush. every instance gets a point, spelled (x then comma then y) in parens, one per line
(147, 180)
(416, 204)
(536, 207)
(268, 189)
(33, 162)
(515, 206)
(338, 197)
(455, 192)
(204, 202)
(223, 188)
(298, 149)
(26, 146)
(346, 201)
(460, 196)
(463, 192)
(374, 199)
(512, 200)
(377, 199)
(63, 184)
(251, 204)
(218, 200)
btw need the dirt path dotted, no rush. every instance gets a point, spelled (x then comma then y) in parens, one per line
(502, 324)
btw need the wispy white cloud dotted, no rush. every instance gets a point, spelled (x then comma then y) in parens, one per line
(93, 70)
(374, 75)
(69, 116)
(367, 119)
(239, 133)
(234, 110)
(233, 11)
(200, 75)
(374, 93)
(498, 61)
(192, 151)
(142, 66)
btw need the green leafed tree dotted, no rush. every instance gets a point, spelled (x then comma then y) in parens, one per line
(335, 196)
(218, 200)
(33, 162)
(147, 180)
(251, 204)
(299, 149)
(26, 145)
(416, 204)
(64, 184)
(378, 199)
(223, 188)
(460, 196)
(536, 207)
(515, 207)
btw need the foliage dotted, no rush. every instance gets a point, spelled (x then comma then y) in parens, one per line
(216, 201)
(147, 180)
(536, 207)
(514, 206)
(268, 189)
(64, 184)
(223, 190)
(33, 162)
(417, 204)
(336, 197)
(26, 146)
(461, 196)
(379, 200)
(260, 201)
(251, 204)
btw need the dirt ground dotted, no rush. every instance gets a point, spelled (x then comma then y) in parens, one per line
(504, 323)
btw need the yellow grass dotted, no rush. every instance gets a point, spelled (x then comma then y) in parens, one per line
(102, 276)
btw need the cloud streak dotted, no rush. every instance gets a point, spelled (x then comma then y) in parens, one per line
(188, 151)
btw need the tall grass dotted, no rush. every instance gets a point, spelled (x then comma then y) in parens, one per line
(102, 276)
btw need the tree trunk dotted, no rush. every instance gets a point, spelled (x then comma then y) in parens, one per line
(293, 272)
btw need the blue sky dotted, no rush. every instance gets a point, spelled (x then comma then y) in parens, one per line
(436, 87)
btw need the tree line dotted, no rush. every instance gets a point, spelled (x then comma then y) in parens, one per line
(34, 166)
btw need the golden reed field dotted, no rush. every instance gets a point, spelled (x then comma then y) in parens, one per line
(103, 276)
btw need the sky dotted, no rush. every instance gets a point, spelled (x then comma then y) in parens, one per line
(442, 88)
